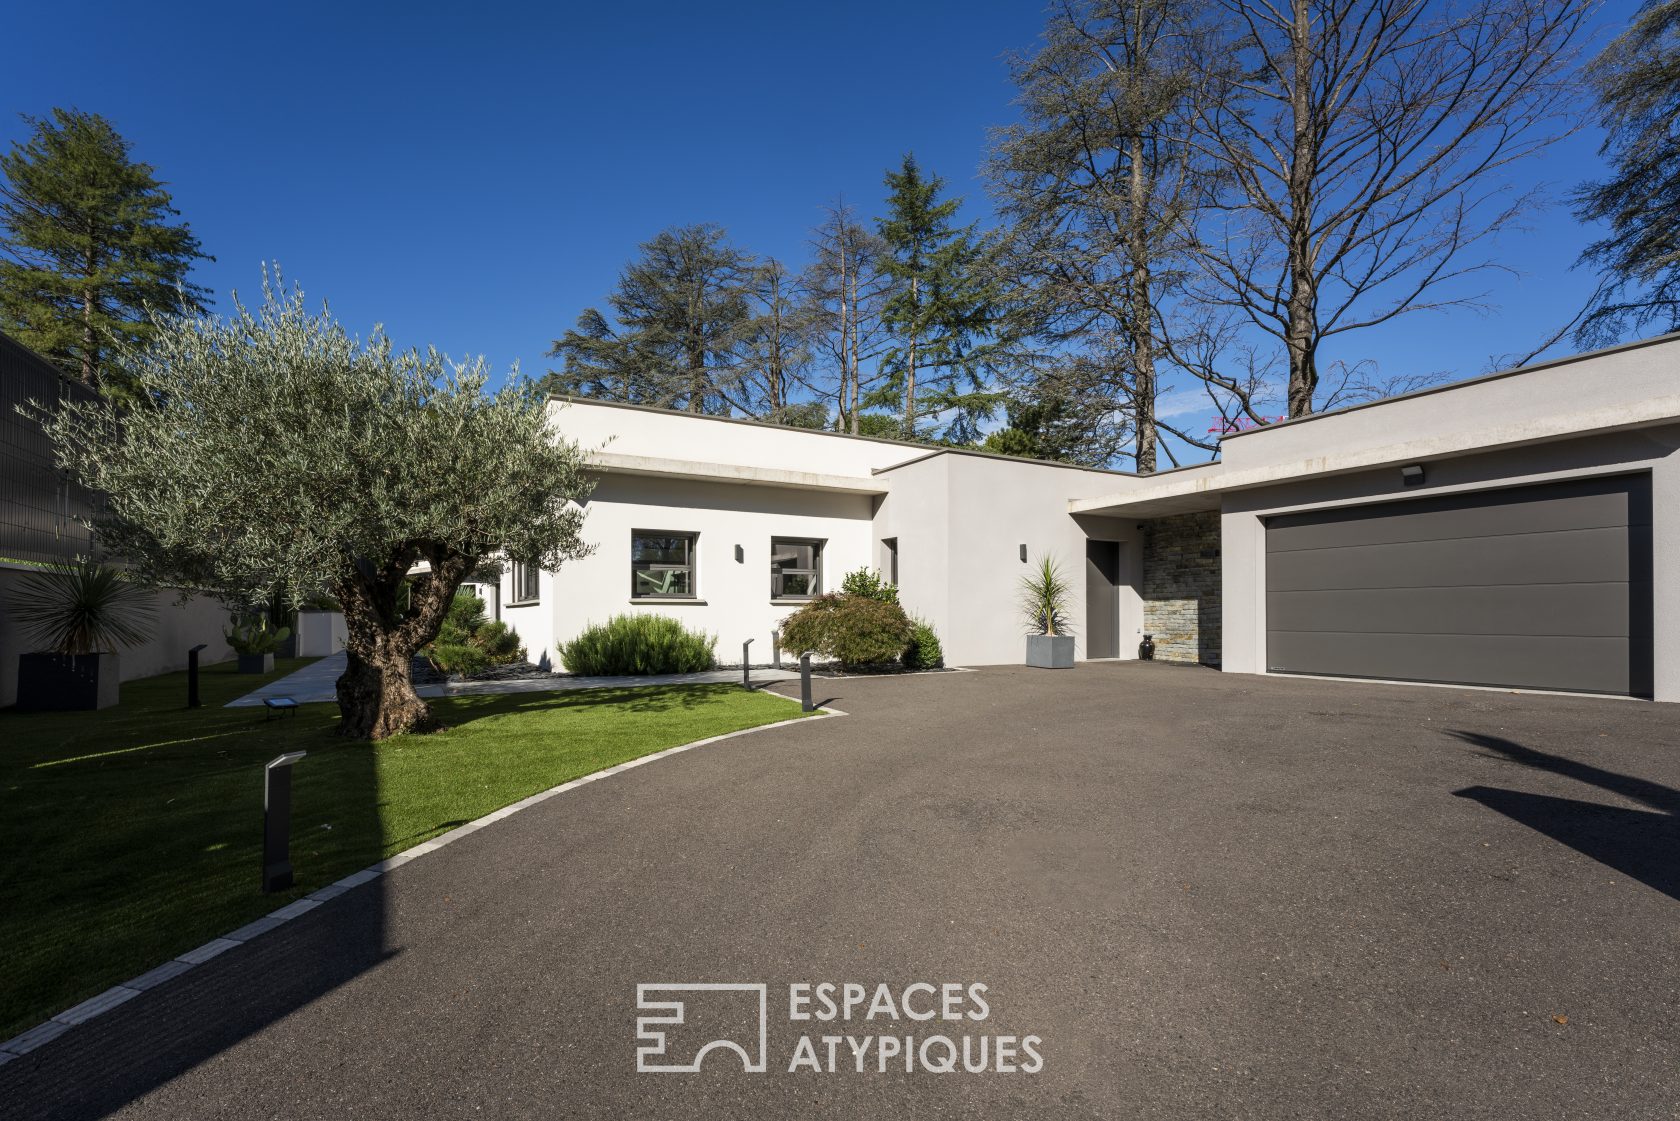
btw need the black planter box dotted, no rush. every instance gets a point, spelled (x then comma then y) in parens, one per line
(256, 663)
(67, 682)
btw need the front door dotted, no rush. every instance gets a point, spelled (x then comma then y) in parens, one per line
(1102, 599)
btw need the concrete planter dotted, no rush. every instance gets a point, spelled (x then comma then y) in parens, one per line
(1050, 651)
(256, 663)
(67, 682)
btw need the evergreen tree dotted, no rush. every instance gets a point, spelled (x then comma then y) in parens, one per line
(938, 308)
(681, 311)
(1638, 83)
(88, 246)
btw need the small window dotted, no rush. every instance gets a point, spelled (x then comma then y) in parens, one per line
(890, 544)
(525, 587)
(661, 565)
(795, 568)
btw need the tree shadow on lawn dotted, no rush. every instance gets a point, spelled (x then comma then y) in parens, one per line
(1640, 844)
(139, 840)
(133, 835)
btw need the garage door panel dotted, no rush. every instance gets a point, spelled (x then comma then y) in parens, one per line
(1580, 556)
(1589, 665)
(1545, 587)
(1446, 519)
(1588, 611)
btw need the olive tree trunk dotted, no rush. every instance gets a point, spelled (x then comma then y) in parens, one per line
(376, 696)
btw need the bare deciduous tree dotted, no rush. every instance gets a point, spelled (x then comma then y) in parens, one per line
(845, 288)
(1365, 142)
(1099, 189)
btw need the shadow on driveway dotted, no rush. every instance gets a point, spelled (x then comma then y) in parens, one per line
(1641, 844)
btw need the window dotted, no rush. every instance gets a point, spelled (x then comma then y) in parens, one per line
(795, 568)
(890, 544)
(525, 583)
(661, 565)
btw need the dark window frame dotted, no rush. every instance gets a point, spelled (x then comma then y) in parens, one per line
(519, 574)
(692, 537)
(777, 576)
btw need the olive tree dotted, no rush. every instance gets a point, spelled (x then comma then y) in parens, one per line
(284, 456)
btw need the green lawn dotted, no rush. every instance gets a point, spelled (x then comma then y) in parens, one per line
(132, 835)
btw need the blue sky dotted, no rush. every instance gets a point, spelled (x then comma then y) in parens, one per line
(474, 175)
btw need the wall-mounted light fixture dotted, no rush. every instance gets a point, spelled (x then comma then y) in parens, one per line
(1023, 554)
(740, 554)
(1412, 476)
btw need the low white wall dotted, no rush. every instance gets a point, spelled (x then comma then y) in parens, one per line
(175, 628)
(320, 633)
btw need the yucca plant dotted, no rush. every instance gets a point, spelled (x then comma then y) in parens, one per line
(1045, 596)
(83, 608)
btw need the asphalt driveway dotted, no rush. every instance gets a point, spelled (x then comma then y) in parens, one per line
(1206, 895)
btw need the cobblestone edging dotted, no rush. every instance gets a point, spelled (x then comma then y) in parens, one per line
(22, 1044)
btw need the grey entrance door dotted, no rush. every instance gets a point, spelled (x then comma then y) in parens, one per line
(1545, 587)
(1102, 599)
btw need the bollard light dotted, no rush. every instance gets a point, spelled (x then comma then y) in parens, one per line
(277, 821)
(192, 676)
(776, 649)
(805, 704)
(746, 666)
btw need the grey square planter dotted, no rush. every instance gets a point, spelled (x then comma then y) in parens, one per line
(1050, 651)
(256, 663)
(67, 682)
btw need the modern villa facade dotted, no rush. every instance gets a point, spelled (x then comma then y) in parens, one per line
(1518, 530)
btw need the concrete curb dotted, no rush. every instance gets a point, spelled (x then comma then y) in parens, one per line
(22, 1044)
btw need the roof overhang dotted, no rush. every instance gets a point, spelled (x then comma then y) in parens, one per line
(1202, 492)
(612, 463)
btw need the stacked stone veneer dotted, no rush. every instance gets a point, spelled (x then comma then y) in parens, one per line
(1181, 594)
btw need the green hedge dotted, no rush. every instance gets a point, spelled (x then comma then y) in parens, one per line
(853, 630)
(639, 644)
(924, 651)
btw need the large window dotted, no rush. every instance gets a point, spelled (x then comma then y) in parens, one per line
(661, 565)
(525, 586)
(795, 568)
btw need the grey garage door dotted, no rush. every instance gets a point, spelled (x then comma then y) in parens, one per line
(1544, 587)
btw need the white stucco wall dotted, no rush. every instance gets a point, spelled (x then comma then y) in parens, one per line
(732, 598)
(960, 521)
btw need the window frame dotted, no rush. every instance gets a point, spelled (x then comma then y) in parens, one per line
(518, 572)
(818, 547)
(692, 567)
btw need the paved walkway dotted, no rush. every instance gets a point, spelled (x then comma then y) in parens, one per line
(1209, 895)
(316, 683)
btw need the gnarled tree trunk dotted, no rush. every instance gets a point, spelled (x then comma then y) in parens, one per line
(376, 696)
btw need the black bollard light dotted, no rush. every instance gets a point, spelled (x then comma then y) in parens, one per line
(277, 821)
(746, 666)
(192, 675)
(805, 704)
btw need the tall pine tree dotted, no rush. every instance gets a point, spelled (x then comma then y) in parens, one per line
(1638, 83)
(681, 311)
(89, 244)
(938, 308)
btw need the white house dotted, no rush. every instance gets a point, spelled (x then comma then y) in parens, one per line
(1521, 529)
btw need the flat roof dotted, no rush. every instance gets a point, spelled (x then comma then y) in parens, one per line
(927, 450)
(1447, 387)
